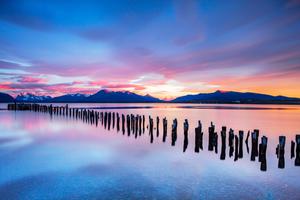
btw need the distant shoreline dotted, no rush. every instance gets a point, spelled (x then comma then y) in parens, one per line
(167, 102)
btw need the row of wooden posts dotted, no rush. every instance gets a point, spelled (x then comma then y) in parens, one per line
(135, 125)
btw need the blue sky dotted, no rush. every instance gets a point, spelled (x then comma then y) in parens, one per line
(165, 48)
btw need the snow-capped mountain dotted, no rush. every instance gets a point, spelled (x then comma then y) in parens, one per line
(71, 98)
(32, 98)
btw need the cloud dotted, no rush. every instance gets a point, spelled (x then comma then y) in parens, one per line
(31, 79)
(149, 46)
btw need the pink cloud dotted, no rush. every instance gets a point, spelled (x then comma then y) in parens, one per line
(31, 79)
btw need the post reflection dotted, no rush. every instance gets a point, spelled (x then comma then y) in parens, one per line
(135, 125)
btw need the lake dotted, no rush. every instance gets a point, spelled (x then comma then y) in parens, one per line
(58, 157)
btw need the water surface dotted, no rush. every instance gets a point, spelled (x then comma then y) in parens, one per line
(45, 157)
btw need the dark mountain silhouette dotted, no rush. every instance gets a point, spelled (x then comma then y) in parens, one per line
(5, 98)
(105, 96)
(72, 98)
(234, 97)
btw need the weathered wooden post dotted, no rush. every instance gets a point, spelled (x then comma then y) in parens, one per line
(216, 142)
(51, 109)
(136, 125)
(247, 141)
(292, 149)
(102, 118)
(123, 124)
(109, 120)
(211, 132)
(128, 124)
(254, 148)
(165, 129)
(151, 129)
(223, 147)
(213, 138)
(174, 132)
(241, 136)
(118, 122)
(280, 151)
(157, 126)
(262, 153)
(297, 160)
(230, 142)
(198, 131)
(140, 125)
(67, 109)
(236, 148)
(113, 121)
(143, 123)
(105, 120)
(97, 118)
(132, 122)
(185, 132)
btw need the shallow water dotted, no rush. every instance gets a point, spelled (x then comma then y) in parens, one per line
(45, 157)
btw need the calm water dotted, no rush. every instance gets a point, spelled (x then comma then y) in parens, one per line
(61, 158)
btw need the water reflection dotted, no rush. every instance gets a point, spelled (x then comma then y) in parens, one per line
(179, 170)
(134, 126)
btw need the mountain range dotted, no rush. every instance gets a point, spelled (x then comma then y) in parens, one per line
(235, 97)
(103, 96)
(106, 96)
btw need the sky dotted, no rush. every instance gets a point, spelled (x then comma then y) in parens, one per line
(158, 47)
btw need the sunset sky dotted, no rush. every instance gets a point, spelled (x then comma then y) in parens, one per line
(164, 48)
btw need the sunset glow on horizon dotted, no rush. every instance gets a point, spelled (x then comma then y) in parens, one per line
(162, 48)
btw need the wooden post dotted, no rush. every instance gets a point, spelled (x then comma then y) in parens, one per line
(223, 147)
(113, 121)
(136, 125)
(109, 120)
(140, 125)
(262, 153)
(211, 137)
(297, 160)
(165, 129)
(230, 142)
(247, 141)
(132, 122)
(185, 132)
(198, 137)
(143, 123)
(280, 151)
(123, 124)
(174, 132)
(105, 120)
(151, 129)
(118, 122)
(67, 109)
(254, 148)
(236, 148)
(128, 124)
(292, 149)
(241, 136)
(102, 118)
(157, 126)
